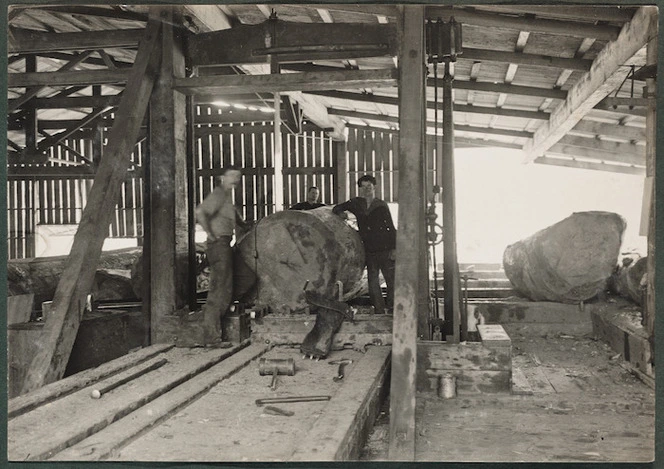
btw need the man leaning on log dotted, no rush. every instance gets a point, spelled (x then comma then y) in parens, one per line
(218, 217)
(379, 237)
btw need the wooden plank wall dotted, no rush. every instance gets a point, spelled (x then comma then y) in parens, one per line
(376, 152)
(59, 200)
(56, 200)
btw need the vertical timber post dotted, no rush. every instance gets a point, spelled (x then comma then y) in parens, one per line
(404, 343)
(651, 144)
(169, 219)
(339, 155)
(278, 160)
(450, 266)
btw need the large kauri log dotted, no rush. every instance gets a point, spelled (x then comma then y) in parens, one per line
(629, 280)
(289, 248)
(40, 275)
(568, 262)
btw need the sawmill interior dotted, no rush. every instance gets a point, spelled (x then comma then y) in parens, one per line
(141, 327)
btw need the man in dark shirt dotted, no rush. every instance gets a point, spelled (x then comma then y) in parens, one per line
(378, 236)
(312, 200)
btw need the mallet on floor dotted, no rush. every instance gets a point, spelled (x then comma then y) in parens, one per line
(276, 367)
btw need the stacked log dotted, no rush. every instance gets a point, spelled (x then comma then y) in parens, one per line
(40, 275)
(629, 280)
(568, 262)
(292, 248)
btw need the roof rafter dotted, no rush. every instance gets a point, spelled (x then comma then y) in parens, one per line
(603, 78)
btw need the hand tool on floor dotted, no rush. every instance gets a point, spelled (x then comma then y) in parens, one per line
(272, 410)
(342, 365)
(291, 399)
(98, 392)
(276, 367)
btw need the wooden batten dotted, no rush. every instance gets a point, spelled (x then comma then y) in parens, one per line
(69, 301)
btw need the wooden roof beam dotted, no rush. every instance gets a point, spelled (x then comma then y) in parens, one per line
(22, 41)
(388, 100)
(624, 132)
(487, 19)
(459, 127)
(604, 77)
(519, 58)
(612, 14)
(88, 77)
(228, 85)
(571, 163)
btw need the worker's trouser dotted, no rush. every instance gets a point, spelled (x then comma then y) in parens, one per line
(220, 291)
(380, 262)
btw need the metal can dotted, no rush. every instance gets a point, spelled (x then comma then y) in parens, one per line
(447, 389)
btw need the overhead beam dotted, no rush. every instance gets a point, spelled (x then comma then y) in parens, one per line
(627, 152)
(604, 77)
(598, 154)
(503, 88)
(227, 85)
(32, 92)
(115, 13)
(23, 41)
(458, 84)
(311, 107)
(73, 102)
(613, 168)
(61, 324)
(390, 101)
(624, 132)
(519, 58)
(612, 14)
(485, 19)
(294, 42)
(519, 23)
(459, 127)
(88, 77)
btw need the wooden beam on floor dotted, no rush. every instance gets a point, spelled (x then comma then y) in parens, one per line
(77, 277)
(168, 197)
(604, 77)
(411, 222)
(239, 84)
(21, 41)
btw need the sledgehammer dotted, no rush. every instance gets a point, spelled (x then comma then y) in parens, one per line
(275, 367)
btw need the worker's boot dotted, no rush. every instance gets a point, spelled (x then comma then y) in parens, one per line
(330, 315)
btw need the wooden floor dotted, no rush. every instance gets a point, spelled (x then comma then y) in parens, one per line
(579, 402)
(201, 406)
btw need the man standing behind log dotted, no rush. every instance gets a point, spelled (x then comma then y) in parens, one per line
(312, 200)
(218, 216)
(379, 238)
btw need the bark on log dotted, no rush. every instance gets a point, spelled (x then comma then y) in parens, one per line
(629, 280)
(568, 262)
(289, 248)
(40, 275)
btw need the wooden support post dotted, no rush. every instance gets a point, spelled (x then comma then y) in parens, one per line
(191, 199)
(404, 343)
(97, 141)
(339, 155)
(278, 160)
(76, 280)
(651, 144)
(450, 266)
(30, 125)
(169, 207)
